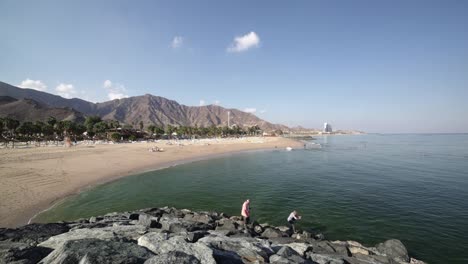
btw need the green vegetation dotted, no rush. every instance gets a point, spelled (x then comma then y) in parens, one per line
(94, 128)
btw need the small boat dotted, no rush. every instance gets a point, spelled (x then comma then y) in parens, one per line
(288, 148)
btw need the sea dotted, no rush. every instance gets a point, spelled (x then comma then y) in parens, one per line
(368, 188)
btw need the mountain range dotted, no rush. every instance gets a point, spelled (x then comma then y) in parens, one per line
(32, 105)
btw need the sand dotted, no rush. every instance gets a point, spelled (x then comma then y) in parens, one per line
(33, 179)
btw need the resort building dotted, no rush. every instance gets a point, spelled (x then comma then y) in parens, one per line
(327, 128)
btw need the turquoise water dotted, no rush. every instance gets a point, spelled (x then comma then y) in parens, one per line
(367, 188)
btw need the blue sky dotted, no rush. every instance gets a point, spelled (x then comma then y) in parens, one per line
(397, 66)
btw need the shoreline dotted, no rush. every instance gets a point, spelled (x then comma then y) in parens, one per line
(162, 167)
(35, 180)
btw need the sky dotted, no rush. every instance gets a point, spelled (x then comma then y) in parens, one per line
(375, 66)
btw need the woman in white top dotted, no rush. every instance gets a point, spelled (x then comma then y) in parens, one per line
(293, 216)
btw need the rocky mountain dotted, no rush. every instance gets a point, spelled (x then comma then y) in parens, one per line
(147, 108)
(169, 235)
(31, 110)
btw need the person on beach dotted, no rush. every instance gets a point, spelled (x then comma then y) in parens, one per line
(292, 218)
(245, 212)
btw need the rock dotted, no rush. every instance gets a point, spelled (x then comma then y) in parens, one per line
(134, 216)
(157, 243)
(33, 233)
(368, 259)
(289, 254)
(193, 237)
(258, 229)
(415, 261)
(227, 224)
(232, 250)
(286, 230)
(358, 250)
(77, 234)
(271, 232)
(178, 257)
(300, 248)
(98, 251)
(323, 247)
(394, 249)
(17, 252)
(201, 218)
(281, 240)
(148, 221)
(326, 258)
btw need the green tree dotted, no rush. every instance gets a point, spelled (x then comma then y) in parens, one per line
(141, 126)
(51, 121)
(116, 136)
(91, 121)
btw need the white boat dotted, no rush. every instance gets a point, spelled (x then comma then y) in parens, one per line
(288, 148)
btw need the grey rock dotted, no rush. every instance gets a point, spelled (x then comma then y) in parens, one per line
(227, 224)
(77, 234)
(258, 229)
(157, 243)
(272, 232)
(148, 221)
(193, 237)
(178, 257)
(201, 218)
(33, 233)
(394, 249)
(291, 255)
(281, 240)
(134, 216)
(368, 259)
(96, 251)
(326, 258)
(17, 252)
(323, 247)
(228, 249)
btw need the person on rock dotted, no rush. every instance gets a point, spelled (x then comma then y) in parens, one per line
(245, 212)
(292, 218)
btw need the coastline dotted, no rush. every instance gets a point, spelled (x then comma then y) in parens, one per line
(36, 179)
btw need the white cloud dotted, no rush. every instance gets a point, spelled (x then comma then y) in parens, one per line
(262, 111)
(32, 84)
(250, 110)
(65, 90)
(202, 102)
(115, 90)
(177, 42)
(244, 43)
(216, 102)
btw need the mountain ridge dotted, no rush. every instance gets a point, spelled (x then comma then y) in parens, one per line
(150, 109)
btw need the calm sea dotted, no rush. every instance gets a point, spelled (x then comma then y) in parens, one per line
(367, 188)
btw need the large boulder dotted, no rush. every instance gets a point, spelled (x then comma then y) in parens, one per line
(17, 252)
(200, 218)
(176, 256)
(157, 243)
(96, 251)
(287, 255)
(326, 258)
(147, 220)
(33, 233)
(232, 250)
(77, 234)
(227, 224)
(272, 232)
(394, 249)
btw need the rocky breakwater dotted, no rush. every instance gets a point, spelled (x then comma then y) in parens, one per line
(169, 235)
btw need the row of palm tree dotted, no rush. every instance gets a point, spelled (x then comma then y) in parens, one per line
(94, 127)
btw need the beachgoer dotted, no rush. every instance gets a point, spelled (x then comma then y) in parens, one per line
(292, 218)
(245, 212)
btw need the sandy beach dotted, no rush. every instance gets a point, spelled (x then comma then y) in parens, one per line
(33, 179)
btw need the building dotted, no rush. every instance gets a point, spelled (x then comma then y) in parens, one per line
(327, 128)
